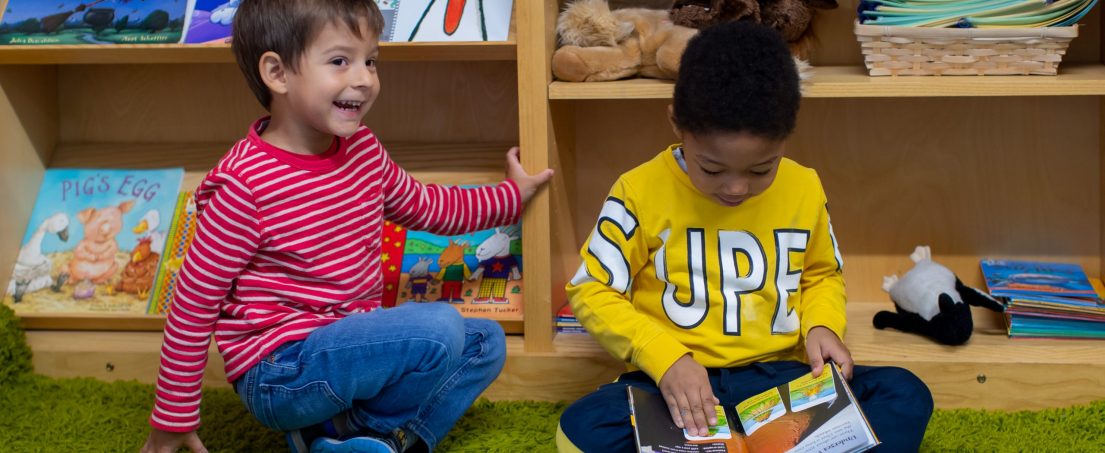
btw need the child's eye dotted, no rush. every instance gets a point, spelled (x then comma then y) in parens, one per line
(711, 173)
(761, 173)
(371, 62)
(338, 62)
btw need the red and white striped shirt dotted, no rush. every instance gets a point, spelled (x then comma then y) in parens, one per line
(288, 243)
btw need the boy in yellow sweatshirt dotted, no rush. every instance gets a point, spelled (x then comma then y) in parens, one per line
(713, 269)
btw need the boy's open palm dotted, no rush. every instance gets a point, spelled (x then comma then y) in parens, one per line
(168, 442)
(686, 389)
(821, 344)
(527, 184)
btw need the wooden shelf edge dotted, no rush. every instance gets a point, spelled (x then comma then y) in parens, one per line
(853, 82)
(182, 53)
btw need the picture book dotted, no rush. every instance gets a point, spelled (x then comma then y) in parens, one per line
(94, 241)
(181, 231)
(807, 414)
(1024, 279)
(452, 20)
(479, 273)
(209, 21)
(61, 22)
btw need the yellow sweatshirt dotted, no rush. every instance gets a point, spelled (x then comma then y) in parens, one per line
(668, 271)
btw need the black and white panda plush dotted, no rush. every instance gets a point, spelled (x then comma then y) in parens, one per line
(931, 301)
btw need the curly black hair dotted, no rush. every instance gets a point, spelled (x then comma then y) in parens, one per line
(737, 77)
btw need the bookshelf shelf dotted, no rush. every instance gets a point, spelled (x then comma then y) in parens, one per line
(179, 53)
(853, 82)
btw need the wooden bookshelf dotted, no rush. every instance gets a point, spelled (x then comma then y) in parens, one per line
(187, 53)
(853, 82)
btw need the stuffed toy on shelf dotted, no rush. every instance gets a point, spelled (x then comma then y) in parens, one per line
(933, 302)
(599, 44)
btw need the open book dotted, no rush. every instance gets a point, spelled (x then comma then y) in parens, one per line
(804, 415)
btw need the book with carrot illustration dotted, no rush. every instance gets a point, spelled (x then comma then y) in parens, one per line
(806, 415)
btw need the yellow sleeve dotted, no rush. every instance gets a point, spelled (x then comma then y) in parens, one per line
(600, 292)
(823, 296)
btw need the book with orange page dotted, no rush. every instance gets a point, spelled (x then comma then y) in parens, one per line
(807, 414)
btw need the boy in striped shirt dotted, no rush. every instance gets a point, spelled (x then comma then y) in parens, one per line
(284, 269)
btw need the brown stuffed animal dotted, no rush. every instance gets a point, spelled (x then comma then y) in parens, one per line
(599, 44)
(792, 18)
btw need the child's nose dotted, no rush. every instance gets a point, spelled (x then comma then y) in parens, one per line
(363, 77)
(736, 187)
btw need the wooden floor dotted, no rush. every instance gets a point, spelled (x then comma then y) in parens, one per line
(992, 371)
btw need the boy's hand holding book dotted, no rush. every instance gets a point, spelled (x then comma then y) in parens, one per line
(821, 344)
(527, 184)
(690, 398)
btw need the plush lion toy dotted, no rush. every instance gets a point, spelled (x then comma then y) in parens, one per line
(600, 44)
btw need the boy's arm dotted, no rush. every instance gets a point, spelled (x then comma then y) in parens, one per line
(446, 210)
(227, 236)
(823, 298)
(599, 293)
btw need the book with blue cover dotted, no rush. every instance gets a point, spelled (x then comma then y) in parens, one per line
(94, 242)
(63, 22)
(1027, 279)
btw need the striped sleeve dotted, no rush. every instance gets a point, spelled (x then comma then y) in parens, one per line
(447, 210)
(227, 236)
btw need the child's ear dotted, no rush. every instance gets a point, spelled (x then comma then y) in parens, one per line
(671, 119)
(274, 72)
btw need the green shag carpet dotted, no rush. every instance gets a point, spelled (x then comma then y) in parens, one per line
(40, 414)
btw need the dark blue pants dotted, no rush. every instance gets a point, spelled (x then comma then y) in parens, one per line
(896, 402)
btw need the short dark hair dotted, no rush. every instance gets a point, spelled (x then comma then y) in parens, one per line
(737, 77)
(287, 27)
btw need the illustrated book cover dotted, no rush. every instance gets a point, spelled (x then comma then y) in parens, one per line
(479, 273)
(94, 241)
(64, 22)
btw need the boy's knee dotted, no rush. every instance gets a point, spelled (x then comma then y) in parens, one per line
(910, 386)
(493, 337)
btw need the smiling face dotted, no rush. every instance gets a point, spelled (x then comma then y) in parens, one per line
(730, 167)
(329, 90)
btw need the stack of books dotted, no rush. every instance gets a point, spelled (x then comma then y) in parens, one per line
(1047, 300)
(566, 321)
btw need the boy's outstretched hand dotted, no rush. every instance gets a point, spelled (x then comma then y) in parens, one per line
(686, 389)
(168, 442)
(527, 184)
(821, 344)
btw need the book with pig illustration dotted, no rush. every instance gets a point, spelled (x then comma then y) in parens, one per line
(62, 22)
(479, 273)
(94, 242)
(808, 415)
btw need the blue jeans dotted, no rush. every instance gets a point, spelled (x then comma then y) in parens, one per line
(896, 402)
(416, 366)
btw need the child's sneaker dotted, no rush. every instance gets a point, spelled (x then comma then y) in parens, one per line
(300, 440)
(364, 444)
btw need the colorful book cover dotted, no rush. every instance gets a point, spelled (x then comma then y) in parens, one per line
(61, 22)
(181, 231)
(453, 20)
(210, 21)
(1005, 278)
(480, 273)
(94, 241)
(808, 391)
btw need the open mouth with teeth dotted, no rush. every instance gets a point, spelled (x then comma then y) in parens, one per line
(350, 106)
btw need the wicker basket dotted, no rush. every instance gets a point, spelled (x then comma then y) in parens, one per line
(894, 51)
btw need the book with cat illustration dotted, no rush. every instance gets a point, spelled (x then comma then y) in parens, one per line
(63, 22)
(479, 273)
(805, 415)
(94, 242)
